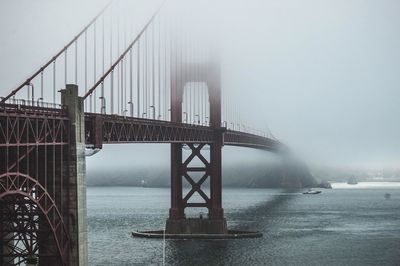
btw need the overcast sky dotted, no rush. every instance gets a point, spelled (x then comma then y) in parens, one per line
(323, 75)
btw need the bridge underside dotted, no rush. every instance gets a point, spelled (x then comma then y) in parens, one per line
(113, 129)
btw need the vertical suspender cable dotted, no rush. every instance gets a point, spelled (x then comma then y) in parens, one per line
(159, 68)
(86, 85)
(165, 71)
(112, 72)
(147, 76)
(54, 83)
(125, 75)
(41, 86)
(103, 51)
(112, 92)
(122, 87)
(183, 66)
(131, 83)
(121, 93)
(103, 105)
(145, 73)
(198, 100)
(76, 62)
(153, 69)
(118, 87)
(125, 87)
(65, 67)
(118, 69)
(138, 80)
(94, 65)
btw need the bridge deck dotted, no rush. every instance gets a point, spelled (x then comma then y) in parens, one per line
(112, 129)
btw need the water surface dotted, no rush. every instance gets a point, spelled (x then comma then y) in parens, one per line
(350, 226)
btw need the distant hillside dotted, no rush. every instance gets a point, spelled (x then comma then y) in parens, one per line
(290, 174)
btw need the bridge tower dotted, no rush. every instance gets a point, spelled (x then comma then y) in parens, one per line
(211, 171)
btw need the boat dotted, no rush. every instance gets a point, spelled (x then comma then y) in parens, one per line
(388, 196)
(312, 192)
(352, 181)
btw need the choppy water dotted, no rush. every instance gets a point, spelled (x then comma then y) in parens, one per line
(338, 227)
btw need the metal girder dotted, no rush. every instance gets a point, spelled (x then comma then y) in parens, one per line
(117, 129)
(241, 139)
(33, 150)
(31, 129)
(109, 129)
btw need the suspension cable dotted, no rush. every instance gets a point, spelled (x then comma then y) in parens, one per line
(124, 53)
(53, 59)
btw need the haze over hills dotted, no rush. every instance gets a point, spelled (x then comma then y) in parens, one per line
(270, 174)
(342, 174)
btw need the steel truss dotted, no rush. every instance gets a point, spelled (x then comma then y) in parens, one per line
(117, 129)
(33, 207)
(186, 172)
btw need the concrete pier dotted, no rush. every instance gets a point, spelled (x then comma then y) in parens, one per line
(196, 226)
(77, 209)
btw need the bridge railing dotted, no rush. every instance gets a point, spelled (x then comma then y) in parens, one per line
(36, 103)
(22, 109)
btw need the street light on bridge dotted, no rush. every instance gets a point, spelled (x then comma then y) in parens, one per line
(198, 121)
(132, 105)
(154, 111)
(30, 85)
(186, 116)
(103, 105)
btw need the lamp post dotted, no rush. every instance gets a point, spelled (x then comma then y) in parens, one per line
(131, 105)
(103, 105)
(186, 117)
(154, 111)
(38, 100)
(30, 85)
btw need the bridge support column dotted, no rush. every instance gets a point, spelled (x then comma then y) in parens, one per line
(76, 174)
(176, 211)
(216, 211)
(197, 177)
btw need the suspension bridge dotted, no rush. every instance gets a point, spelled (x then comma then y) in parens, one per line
(119, 80)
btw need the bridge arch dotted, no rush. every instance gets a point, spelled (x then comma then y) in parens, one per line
(37, 209)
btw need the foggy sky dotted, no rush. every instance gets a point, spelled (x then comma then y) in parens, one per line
(323, 75)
